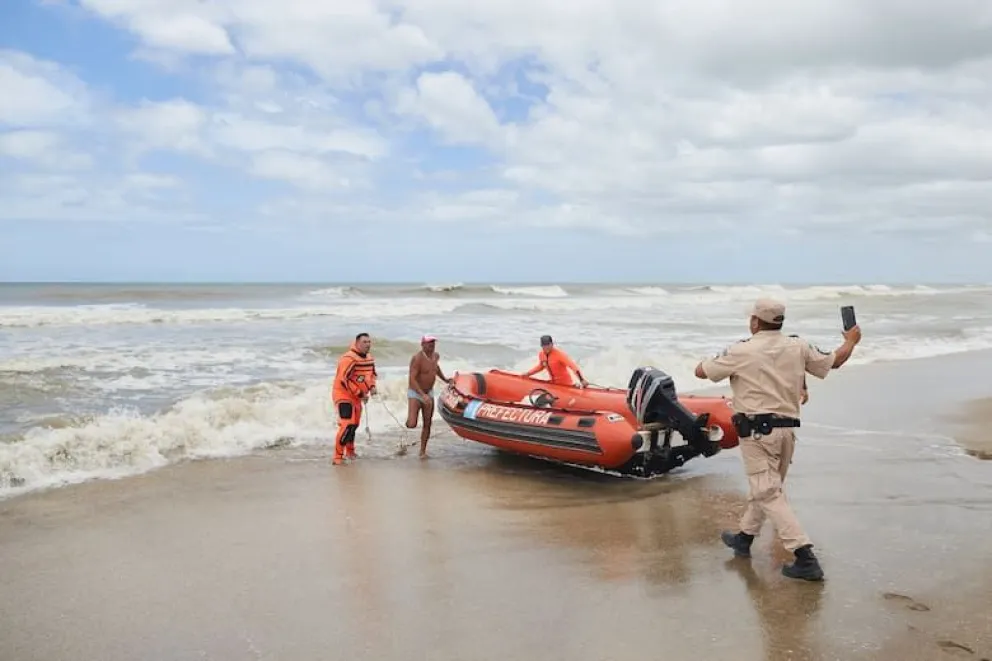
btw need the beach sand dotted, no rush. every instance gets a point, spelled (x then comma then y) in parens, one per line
(975, 423)
(474, 555)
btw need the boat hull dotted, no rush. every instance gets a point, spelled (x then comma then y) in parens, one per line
(585, 426)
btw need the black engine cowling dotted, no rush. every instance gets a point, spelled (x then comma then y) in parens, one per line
(652, 399)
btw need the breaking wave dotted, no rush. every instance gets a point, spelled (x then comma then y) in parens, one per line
(235, 420)
(369, 302)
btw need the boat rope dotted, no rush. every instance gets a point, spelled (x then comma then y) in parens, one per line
(404, 430)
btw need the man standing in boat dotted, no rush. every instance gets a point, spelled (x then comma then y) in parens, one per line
(558, 363)
(767, 375)
(424, 369)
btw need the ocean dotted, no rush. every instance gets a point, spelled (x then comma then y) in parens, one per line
(104, 381)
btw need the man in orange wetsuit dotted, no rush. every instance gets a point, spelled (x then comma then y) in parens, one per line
(557, 362)
(354, 381)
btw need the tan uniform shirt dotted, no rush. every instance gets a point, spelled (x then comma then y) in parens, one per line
(766, 372)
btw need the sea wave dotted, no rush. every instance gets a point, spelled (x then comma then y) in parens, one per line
(364, 304)
(132, 314)
(236, 419)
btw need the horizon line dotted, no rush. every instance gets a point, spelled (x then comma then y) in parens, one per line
(469, 283)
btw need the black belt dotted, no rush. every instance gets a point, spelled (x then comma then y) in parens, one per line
(762, 423)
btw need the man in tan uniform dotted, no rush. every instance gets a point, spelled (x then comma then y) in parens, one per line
(767, 375)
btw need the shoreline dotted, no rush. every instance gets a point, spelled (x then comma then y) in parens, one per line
(279, 555)
(966, 419)
(974, 420)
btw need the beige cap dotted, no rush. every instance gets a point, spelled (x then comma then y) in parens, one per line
(769, 310)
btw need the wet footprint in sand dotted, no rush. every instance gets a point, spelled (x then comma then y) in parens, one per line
(956, 649)
(909, 602)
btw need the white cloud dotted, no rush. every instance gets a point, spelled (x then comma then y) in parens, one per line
(141, 180)
(37, 93)
(305, 171)
(28, 144)
(449, 103)
(96, 198)
(627, 117)
(42, 148)
(337, 39)
(180, 25)
(494, 206)
(175, 125)
(239, 132)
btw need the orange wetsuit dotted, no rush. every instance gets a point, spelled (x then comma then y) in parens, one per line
(355, 377)
(557, 362)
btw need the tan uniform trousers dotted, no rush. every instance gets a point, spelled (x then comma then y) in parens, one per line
(766, 461)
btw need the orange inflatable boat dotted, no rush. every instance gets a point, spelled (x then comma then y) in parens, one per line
(609, 428)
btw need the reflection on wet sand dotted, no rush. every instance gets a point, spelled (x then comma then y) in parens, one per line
(785, 615)
(626, 529)
(356, 554)
(874, 521)
(435, 552)
(650, 532)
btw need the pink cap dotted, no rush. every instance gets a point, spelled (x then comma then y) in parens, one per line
(428, 338)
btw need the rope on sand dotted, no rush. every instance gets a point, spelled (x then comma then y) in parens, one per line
(404, 430)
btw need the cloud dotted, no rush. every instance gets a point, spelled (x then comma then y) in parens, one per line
(174, 125)
(37, 93)
(449, 103)
(184, 26)
(238, 132)
(305, 171)
(43, 149)
(629, 118)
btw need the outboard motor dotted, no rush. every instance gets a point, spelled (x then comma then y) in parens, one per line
(652, 399)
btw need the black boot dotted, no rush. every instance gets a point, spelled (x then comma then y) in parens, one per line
(806, 566)
(740, 542)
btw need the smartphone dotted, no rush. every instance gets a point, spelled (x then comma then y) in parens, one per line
(847, 316)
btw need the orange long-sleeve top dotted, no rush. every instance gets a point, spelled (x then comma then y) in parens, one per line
(355, 375)
(557, 362)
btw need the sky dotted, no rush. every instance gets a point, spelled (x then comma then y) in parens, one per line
(479, 141)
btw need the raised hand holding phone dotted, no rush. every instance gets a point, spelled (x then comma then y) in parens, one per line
(852, 332)
(847, 316)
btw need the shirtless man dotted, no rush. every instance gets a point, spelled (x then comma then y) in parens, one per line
(424, 369)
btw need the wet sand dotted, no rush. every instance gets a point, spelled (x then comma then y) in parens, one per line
(975, 423)
(477, 555)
